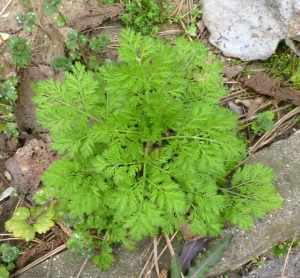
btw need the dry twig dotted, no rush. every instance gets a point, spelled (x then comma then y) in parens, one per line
(155, 260)
(41, 259)
(5, 7)
(271, 134)
(85, 261)
(287, 255)
(150, 258)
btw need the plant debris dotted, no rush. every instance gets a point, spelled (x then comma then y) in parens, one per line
(264, 85)
(96, 15)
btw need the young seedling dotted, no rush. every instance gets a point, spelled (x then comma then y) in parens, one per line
(51, 7)
(8, 254)
(21, 51)
(263, 123)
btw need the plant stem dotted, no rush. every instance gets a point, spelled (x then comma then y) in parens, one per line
(32, 220)
(63, 18)
(42, 28)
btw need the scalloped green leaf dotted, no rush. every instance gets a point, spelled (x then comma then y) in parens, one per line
(19, 226)
(45, 195)
(44, 220)
(3, 272)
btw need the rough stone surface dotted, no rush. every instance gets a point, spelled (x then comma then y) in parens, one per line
(284, 157)
(128, 264)
(275, 268)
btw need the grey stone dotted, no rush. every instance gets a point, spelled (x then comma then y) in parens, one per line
(274, 268)
(128, 264)
(281, 224)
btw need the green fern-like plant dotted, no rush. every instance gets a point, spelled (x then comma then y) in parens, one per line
(147, 146)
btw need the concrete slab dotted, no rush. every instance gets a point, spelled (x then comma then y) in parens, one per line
(274, 268)
(128, 264)
(281, 224)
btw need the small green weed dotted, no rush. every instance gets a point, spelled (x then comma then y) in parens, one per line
(28, 21)
(61, 63)
(76, 44)
(21, 51)
(258, 262)
(195, 15)
(99, 43)
(8, 96)
(296, 77)
(51, 7)
(143, 15)
(281, 64)
(26, 222)
(263, 123)
(282, 248)
(8, 254)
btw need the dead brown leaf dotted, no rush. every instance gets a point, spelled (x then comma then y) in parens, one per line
(233, 71)
(96, 15)
(187, 235)
(264, 85)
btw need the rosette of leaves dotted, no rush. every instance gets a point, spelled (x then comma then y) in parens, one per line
(147, 145)
(8, 91)
(99, 43)
(61, 63)
(28, 20)
(8, 255)
(21, 51)
(51, 6)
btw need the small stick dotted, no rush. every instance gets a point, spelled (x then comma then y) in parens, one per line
(177, 10)
(50, 264)
(148, 261)
(48, 255)
(155, 255)
(160, 254)
(81, 268)
(291, 45)
(287, 255)
(3, 10)
(261, 142)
